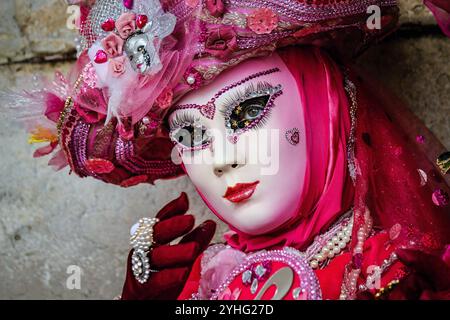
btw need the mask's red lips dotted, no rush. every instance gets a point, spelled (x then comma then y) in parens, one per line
(240, 192)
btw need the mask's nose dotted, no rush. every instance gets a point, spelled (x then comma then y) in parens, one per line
(219, 170)
(227, 158)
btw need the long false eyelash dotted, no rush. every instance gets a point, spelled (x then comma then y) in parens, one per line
(182, 119)
(236, 98)
(260, 86)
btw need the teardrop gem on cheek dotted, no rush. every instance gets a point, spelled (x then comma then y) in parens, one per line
(128, 4)
(101, 57)
(141, 21)
(109, 25)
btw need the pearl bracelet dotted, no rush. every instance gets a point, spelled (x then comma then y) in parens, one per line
(142, 241)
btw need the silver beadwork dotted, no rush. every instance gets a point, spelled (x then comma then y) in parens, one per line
(350, 89)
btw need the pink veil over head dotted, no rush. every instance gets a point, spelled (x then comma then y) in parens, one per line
(399, 181)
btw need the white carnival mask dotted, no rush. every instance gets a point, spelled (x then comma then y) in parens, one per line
(246, 152)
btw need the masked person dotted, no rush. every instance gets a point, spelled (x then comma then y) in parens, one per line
(329, 185)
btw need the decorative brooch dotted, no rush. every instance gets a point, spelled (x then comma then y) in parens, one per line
(136, 36)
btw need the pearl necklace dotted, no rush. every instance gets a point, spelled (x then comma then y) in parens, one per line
(330, 244)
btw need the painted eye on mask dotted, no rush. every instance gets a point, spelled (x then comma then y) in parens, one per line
(249, 109)
(189, 134)
(247, 112)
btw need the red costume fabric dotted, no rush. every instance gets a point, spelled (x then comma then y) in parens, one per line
(377, 158)
(389, 191)
(330, 277)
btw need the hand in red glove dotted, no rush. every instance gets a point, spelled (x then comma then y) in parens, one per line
(173, 262)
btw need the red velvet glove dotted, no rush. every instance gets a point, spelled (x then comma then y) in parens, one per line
(173, 262)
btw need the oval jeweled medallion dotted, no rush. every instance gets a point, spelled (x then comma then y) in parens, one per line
(271, 275)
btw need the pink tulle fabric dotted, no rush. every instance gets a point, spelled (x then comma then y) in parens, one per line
(328, 186)
(389, 184)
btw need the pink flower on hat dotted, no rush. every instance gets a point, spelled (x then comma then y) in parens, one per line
(215, 7)
(117, 66)
(99, 166)
(262, 21)
(164, 100)
(126, 24)
(221, 42)
(216, 270)
(113, 45)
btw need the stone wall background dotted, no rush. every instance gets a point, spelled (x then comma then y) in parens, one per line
(49, 221)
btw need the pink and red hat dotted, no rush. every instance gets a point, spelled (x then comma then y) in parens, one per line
(137, 58)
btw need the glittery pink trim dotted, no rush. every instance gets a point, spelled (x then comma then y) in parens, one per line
(257, 41)
(308, 279)
(126, 157)
(207, 110)
(301, 11)
(78, 148)
(180, 9)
